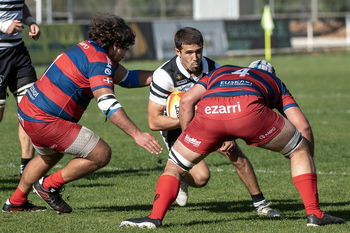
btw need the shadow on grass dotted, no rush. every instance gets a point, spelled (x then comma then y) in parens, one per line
(242, 207)
(284, 206)
(124, 172)
(10, 183)
(13, 180)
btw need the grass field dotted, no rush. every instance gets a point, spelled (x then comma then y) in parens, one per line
(125, 188)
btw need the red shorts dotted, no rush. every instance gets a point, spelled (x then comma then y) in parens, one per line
(57, 135)
(220, 119)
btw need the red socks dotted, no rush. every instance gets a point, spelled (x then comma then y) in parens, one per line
(307, 187)
(166, 193)
(55, 181)
(18, 197)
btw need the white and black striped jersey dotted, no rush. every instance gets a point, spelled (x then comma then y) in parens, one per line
(172, 76)
(10, 10)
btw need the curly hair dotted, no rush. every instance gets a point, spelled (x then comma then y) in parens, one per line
(108, 29)
(188, 36)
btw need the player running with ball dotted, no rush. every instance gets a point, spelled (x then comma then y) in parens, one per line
(180, 74)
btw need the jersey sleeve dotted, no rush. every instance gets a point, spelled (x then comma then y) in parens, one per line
(161, 87)
(286, 100)
(101, 73)
(203, 81)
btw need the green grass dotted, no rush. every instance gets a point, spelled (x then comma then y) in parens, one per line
(125, 187)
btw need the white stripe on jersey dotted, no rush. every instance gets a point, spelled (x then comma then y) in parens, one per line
(10, 10)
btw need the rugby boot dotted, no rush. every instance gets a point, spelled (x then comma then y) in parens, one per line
(52, 197)
(9, 207)
(145, 222)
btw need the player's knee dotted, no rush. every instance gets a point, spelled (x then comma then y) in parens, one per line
(105, 156)
(203, 181)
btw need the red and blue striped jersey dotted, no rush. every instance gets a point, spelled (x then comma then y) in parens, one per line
(65, 89)
(231, 80)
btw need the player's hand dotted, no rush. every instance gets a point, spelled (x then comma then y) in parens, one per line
(15, 27)
(148, 142)
(34, 31)
(227, 147)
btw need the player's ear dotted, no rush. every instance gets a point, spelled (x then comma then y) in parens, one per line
(178, 52)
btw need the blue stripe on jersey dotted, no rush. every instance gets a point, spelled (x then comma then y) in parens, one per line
(78, 57)
(80, 60)
(67, 86)
(238, 83)
(28, 118)
(48, 106)
(290, 105)
(101, 86)
(212, 79)
(271, 92)
(262, 95)
(231, 93)
(202, 83)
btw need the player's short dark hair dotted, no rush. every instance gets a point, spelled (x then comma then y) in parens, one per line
(188, 36)
(108, 29)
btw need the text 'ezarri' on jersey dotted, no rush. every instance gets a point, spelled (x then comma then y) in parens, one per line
(65, 89)
(235, 81)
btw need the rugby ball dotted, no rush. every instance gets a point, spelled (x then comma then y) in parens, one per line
(173, 104)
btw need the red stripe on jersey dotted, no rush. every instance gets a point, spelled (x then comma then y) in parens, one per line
(101, 80)
(71, 71)
(64, 101)
(33, 111)
(88, 49)
(93, 55)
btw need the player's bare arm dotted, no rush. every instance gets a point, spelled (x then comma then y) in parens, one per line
(157, 121)
(188, 103)
(122, 121)
(144, 77)
(298, 119)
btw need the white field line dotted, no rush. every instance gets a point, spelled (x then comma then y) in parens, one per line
(110, 168)
(323, 96)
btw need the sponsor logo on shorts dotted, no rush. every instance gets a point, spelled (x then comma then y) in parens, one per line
(192, 141)
(263, 136)
(221, 109)
(53, 146)
(1, 78)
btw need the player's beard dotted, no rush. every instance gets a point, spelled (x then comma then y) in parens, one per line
(194, 69)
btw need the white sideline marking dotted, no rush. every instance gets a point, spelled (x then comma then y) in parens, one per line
(324, 96)
(282, 172)
(110, 168)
